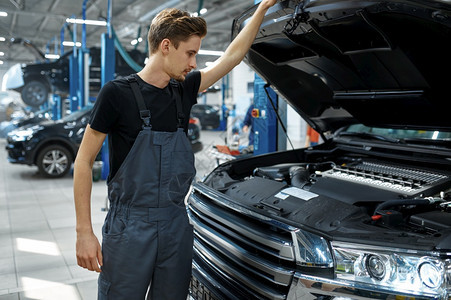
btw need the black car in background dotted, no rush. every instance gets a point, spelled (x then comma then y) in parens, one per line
(53, 145)
(208, 115)
(36, 81)
(50, 145)
(194, 134)
(367, 213)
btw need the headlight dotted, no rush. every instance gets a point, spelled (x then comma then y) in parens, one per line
(392, 269)
(20, 135)
(312, 250)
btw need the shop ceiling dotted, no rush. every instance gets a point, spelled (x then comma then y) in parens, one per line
(41, 21)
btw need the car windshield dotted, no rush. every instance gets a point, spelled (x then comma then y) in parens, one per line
(76, 114)
(401, 134)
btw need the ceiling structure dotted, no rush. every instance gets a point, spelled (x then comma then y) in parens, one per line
(41, 22)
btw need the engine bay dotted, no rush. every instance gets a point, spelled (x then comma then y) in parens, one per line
(396, 196)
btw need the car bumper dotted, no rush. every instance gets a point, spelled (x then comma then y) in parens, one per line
(18, 154)
(310, 287)
(208, 283)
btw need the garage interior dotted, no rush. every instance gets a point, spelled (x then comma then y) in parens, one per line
(362, 213)
(37, 218)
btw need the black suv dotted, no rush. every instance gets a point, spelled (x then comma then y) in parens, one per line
(36, 81)
(209, 116)
(367, 213)
(51, 145)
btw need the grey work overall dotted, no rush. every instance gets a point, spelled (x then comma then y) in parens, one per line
(147, 239)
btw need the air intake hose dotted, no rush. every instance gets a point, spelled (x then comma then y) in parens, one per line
(299, 176)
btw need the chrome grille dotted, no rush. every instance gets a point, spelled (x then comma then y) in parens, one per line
(257, 253)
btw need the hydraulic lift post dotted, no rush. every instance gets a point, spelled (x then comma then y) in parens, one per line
(107, 73)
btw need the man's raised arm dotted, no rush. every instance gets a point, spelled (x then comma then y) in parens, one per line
(237, 49)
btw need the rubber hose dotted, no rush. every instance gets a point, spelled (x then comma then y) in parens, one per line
(299, 176)
(391, 203)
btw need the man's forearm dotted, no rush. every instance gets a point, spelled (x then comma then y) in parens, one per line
(82, 196)
(243, 41)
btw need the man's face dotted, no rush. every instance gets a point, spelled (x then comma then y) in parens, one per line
(183, 59)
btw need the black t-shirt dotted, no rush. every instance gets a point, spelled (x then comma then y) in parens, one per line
(116, 112)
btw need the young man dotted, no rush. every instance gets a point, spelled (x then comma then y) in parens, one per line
(147, 239)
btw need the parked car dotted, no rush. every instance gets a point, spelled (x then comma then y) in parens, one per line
(194, 134)
(208, 115)
(53, 145)
(367, 213)
(35, 81)
(50, 145)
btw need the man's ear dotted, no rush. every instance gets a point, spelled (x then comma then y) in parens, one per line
(165, 45)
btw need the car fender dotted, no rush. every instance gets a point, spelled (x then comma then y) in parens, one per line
(62, 141)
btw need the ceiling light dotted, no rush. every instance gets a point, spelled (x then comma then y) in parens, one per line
(87, 22)
(3, 14)
(52, 56)
(136, 41)
(2, 39)
(71, 44)
(2, 53)
(203, 11)
(1, 62)
(210, 52)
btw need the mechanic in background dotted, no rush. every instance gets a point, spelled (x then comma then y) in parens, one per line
(248, 126)
(312, 137)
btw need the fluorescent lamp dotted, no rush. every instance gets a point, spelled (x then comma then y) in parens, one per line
(52, 56)
(71, 44)
(3, 14)
(210, 52)
(136, 41)
(87, 22)
(2, 53)
(1, 62)
(2, 39)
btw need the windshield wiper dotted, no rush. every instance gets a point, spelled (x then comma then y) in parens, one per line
(366, 135)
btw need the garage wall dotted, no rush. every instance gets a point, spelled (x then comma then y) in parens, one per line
(242, 82)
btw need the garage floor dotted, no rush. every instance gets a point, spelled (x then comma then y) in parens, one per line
(37, 230)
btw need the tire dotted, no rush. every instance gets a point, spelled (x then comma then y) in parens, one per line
(35, 93)
(54, 161)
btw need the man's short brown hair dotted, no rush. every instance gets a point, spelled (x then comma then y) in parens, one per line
(175, 25)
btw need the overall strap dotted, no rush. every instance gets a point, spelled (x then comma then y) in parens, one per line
(144, 113)
(180, 114)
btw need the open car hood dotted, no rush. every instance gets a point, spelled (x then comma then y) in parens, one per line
(380, 63)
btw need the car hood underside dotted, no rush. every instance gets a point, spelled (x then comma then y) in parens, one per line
(380, 63)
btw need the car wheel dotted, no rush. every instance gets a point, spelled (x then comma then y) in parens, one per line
(35, 93)
(54, 161)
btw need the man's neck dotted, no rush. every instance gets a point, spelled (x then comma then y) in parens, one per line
(153, 73)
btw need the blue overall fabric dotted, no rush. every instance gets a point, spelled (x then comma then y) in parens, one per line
(147, 239)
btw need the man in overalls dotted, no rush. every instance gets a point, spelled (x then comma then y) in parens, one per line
(147, 239)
